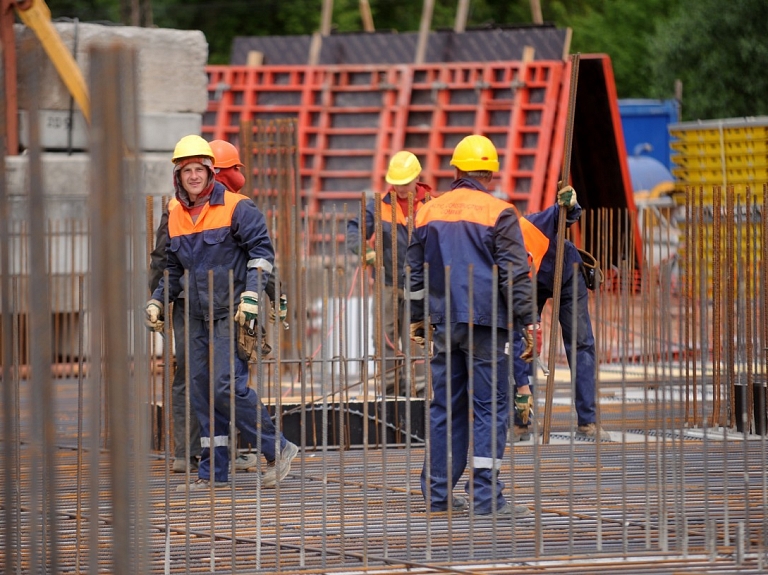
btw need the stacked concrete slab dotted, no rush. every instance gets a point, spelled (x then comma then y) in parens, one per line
(172, 98)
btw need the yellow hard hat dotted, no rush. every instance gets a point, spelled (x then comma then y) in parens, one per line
(475, 153)
(191, 146)
(404, 167)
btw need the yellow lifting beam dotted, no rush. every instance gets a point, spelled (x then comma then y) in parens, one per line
(37, 17)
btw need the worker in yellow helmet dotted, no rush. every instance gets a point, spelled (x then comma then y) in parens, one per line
(402, 201)
(206, 210)
(470, 245)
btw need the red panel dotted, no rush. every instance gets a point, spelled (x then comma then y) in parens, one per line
(351, 119)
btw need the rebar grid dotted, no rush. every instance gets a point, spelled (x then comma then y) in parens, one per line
(675, 487)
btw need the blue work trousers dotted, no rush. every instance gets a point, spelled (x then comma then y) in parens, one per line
(584, 393)
(468, 378)
(179, 393)
(251, 416)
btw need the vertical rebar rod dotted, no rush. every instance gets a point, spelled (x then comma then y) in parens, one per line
(560, 247)
(42, 476)
(114, 141)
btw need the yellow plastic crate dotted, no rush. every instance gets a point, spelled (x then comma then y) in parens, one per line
(746, 147)
(696, 148)
(698, 162)
(714, 134)
(715, 176)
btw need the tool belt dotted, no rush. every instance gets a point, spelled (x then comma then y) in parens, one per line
(248, 344)
(590, 269)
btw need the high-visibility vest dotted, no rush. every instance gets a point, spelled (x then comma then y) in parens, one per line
(536, 243)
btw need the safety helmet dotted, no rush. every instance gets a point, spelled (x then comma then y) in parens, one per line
(475, 153)
(404, 167)
(225, 154)
(191, 146)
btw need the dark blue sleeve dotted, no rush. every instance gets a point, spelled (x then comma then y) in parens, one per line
(353, 238)
(511, 257)
(249, 229)
(415, 260)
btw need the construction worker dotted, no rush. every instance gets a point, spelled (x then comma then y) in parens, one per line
(403, 177)
(227, 166)
(467, 237)
(211, 229)
(540, 236)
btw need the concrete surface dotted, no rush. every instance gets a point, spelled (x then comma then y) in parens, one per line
(158, 132)
(171, 65)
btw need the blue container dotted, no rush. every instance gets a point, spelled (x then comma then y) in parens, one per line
(645, 123)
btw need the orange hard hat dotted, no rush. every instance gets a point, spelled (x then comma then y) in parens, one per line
(225, 154)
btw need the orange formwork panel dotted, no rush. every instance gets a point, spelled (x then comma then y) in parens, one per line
(510, 103)
(352, 118)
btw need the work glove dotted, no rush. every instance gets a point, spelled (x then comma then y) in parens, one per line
(418, 332)
(524, 407)
(153, 315)
(370, 257)
(531, 338)
(566, 197)
(248, 309)
(279, 309)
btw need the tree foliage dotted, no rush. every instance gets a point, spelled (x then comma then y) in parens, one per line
(718, 51)
(715, 48)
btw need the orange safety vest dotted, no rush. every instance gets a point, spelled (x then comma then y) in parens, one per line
(536, 243)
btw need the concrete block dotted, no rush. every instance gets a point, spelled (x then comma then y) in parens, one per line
(171, 65)
(158, 132)
(66, 183)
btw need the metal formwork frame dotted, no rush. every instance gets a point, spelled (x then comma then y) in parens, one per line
(351, 113)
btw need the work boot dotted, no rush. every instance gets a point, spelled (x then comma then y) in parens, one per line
(201, 485)
(592, 431)
(246, 461)
(508, 511)
(277, 470)
(519, 433)
(180, 464)
(459, 505)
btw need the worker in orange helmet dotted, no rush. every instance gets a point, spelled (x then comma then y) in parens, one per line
(227, 165)
(409, 195)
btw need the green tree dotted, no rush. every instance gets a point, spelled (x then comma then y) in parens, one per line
(620, 28)
(718, 51)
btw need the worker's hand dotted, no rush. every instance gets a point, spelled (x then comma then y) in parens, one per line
(282, 309)
(524, 407)
(370, 257)
(566, 197)
(248, 309)
(418, 332)
(153, 315)
(532, 339)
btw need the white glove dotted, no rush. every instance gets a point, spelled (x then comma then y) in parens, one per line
(153, 315)
(370, 257)
(279, 308)
(248, 309)
(566, 197)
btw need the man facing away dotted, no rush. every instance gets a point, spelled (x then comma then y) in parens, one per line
(468, 237)
(540, 237)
